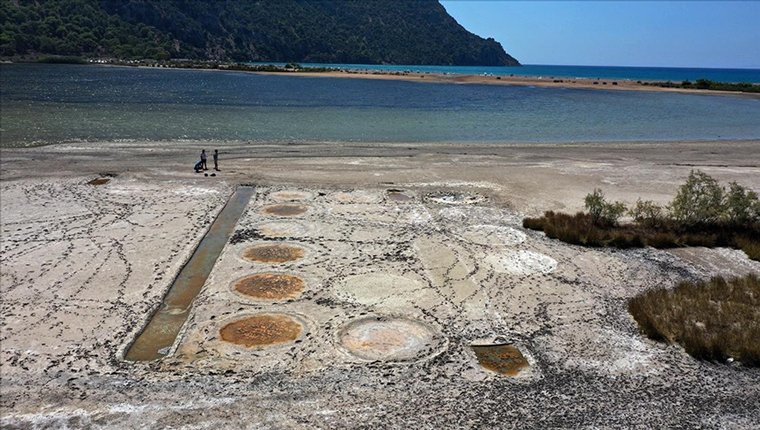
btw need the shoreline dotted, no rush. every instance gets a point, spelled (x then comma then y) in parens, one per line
(525, 81)
(249, 160)
(376, 144)
(443, 78)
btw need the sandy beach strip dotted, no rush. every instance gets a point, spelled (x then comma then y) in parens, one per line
(539, 81)
(612, 84)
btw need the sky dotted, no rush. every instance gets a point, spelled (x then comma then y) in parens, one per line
(720, 34)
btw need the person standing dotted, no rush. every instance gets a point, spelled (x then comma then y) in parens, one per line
(203, 159)
(216, 160)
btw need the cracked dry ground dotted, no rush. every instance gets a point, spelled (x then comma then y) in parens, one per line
(393, 293)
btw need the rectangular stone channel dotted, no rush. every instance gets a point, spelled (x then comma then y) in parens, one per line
(159, 334)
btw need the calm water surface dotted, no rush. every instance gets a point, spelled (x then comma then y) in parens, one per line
(43, 104)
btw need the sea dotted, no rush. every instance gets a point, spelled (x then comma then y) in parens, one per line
(43, 104)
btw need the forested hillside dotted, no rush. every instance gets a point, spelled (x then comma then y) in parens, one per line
(332, 31)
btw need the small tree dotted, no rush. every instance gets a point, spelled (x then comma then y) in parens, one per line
(741, 205)
(603, 212)
(647, 213)
(699, 200)
(594, 203)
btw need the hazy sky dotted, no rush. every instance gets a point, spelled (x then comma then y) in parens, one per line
(642, 33)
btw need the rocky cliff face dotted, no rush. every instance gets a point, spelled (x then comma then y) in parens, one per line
(332, 31)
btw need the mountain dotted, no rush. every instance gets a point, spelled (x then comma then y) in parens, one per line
(325, 31)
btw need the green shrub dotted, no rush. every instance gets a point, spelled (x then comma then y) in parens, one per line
(594, 203)
(647, 213)
(741, 205)
(698, 201)
(603, 212)
(702, 215)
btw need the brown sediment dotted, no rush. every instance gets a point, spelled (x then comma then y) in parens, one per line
(270, 286)
(99, 181)
(399, 196)
(290, 195)
(262, 330)
(285, 209)
(504, 359)
(274, 253)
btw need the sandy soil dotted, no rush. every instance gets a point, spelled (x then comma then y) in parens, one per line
(538, 81)
(398, 285)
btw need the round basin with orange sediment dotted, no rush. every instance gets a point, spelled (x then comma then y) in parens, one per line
(262, 330)
(274, 253)
(270, 286)
(285, 209)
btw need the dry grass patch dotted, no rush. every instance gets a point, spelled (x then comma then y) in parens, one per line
(714, 320)
(580, 229)
(703, 213)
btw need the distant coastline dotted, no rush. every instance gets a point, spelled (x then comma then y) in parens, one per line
(549, 82)
(609, 73)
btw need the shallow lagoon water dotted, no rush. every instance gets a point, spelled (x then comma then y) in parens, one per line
(44, 104)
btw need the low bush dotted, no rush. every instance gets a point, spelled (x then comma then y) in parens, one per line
(705, 84)
(714, 320)
(741, 206)
(750, 247)
(580, 229)
(699, 200)
(603, 212)
(647, 213)
(702, 214)
(663, 240)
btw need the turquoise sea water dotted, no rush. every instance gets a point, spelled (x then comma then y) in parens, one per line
(674, 74)
(47, 104)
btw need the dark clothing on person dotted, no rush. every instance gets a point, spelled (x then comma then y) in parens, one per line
(203, 159)
(216, 160)
(198, 166)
